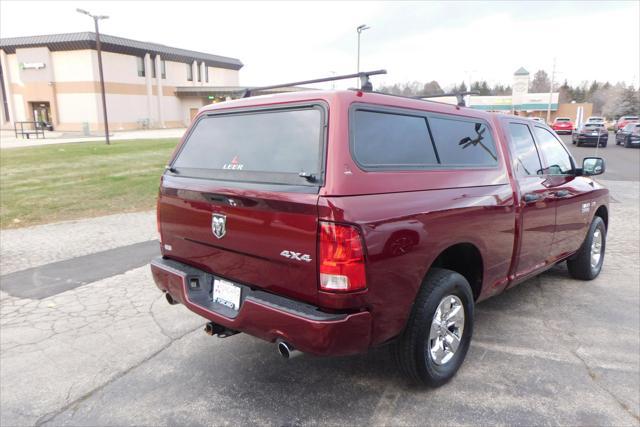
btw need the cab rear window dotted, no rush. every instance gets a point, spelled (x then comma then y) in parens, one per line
(272, 146)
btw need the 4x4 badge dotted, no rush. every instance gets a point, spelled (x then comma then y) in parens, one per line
(219, 225)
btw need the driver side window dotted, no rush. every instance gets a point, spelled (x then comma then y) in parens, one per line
(558, 160)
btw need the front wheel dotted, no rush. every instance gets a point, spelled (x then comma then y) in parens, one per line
(438, 333)
(587, 262)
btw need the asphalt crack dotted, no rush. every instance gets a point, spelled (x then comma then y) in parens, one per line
(594, 377)
(52, 415)
(571, 338)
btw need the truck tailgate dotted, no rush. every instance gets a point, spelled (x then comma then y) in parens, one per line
(244, 235)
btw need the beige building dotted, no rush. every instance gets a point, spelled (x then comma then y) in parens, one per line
(55, 79)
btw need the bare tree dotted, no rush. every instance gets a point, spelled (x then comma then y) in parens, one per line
(540, 82)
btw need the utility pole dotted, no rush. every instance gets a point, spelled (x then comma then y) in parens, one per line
(553, 76)
(360, 29)
(96, 18)
(469, 77)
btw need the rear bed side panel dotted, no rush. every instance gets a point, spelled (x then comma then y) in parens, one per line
(409, 218)
(402, 246)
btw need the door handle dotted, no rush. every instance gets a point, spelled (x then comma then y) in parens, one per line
(532, 197)
(561, 193)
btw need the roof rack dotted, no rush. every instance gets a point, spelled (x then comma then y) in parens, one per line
(365, 84)
(459, 96)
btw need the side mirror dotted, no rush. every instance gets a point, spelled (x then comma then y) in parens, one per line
(593, 166)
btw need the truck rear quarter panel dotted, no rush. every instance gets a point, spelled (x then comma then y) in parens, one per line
(408, 218)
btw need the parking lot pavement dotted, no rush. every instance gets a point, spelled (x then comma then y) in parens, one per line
(550, 351)
(623, 164)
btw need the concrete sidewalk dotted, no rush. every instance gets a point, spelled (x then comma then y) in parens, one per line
(9, 140)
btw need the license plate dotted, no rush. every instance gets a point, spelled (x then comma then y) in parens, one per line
(594, 133)
(226, 293)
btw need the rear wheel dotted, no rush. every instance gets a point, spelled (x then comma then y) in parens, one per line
(436, 339)
(587, 262)
(627, 142)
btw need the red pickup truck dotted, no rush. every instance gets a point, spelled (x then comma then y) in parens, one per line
(331, 222)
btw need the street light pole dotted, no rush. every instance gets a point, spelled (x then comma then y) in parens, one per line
(96, 18)
(360, 29)
(553, 76)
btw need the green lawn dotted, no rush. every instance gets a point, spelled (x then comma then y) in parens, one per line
(68, 181)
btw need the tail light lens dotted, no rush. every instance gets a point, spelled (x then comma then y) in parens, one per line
(342, 265)
(158, 209)
(158, 217)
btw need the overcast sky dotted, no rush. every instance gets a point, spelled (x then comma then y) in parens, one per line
(284, 41)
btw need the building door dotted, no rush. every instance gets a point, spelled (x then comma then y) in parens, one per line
(41, 112)
(193, 112)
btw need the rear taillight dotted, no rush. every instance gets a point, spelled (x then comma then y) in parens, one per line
(158, 209)
(158, 217)
(341, 260)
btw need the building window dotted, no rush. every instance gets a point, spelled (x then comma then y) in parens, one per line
(189, 73)
(163, 69)
(206, 74)
(153, 67)
(199, 72)
(140, 61)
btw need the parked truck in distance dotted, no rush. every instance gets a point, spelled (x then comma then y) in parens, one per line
(332, 222)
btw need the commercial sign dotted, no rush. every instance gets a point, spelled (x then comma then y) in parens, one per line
(32, 65)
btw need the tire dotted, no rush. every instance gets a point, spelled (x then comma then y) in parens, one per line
(578, 143)
(412, 350)
(604, 144)
(627, 143)
(580, 265)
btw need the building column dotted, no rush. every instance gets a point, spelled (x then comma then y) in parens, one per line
(6, 76)
(203, 70)
(159, 89)
(55, 112)
(147, 81)
(194, 73)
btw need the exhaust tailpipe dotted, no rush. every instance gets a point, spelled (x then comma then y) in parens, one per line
(170, 299)
(286, 350)
(219, 330)
(210, 329)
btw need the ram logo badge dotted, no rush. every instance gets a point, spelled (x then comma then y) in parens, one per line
(219, 225)
(296, 256)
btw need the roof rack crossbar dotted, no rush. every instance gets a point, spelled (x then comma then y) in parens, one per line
(365, 84)
(459, 96)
